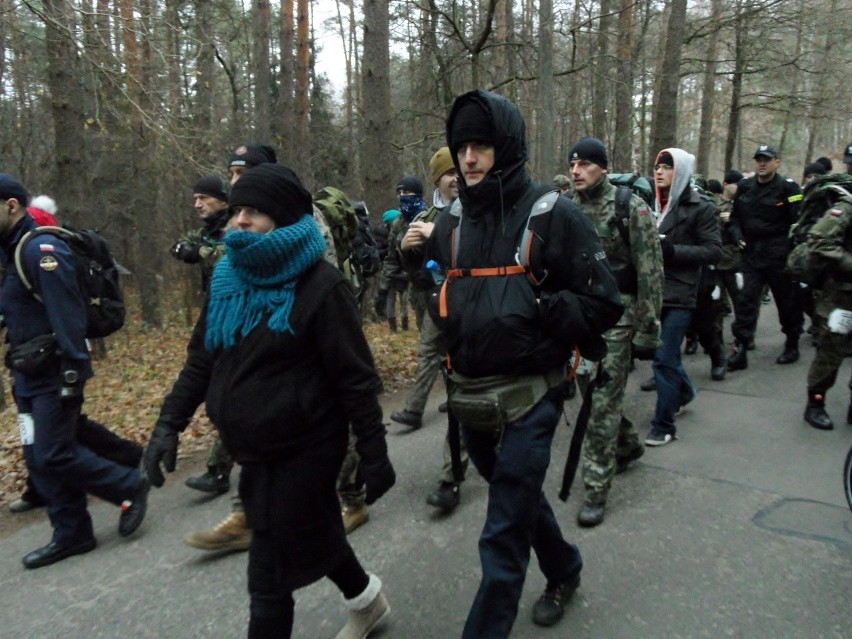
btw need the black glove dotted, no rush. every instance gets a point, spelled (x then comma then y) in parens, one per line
(187, 252)
(643, 353)
(376, 467)
(161, 448)
(668, 250)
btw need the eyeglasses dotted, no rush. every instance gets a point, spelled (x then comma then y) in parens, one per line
(664, 167)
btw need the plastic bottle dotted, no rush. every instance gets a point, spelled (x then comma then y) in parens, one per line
(437, 273)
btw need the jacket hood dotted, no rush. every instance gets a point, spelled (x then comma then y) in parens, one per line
(508, 177)
(684, 164)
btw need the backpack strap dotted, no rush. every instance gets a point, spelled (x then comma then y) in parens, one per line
(541, 206)
(19, 249)
(622, 211)
(455, 236)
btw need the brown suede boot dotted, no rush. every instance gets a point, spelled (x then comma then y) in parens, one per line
(230, 534)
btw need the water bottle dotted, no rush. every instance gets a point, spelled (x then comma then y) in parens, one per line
(434, 268)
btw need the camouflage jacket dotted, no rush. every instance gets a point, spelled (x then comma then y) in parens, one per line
(642, 310)
(830, 239)
(204, 246)
(730, 249)
(392, 267)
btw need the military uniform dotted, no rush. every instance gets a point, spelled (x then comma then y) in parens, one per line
(762, 215)
(726, 269)
(396, 276)
(638, 268)
(830, 240)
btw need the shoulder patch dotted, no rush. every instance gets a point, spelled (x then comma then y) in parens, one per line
(46, 248)
(48, 263)
(836, 212)
(643, 210)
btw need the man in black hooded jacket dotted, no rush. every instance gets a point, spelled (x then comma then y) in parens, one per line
(510, 325)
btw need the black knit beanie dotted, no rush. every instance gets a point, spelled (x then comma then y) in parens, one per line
(275, 190)
(591, 150)
(732, 177)
(826, 162)
(665, 158)
(410, 183)
(212, 185)
(815, 168)
(249, 155)
(471, 123)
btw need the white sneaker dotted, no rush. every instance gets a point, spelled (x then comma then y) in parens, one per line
(366, 611)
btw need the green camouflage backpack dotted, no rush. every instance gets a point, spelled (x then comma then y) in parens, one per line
(342, 219)
(819, 196)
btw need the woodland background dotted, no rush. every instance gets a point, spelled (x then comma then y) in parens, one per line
(116, 107)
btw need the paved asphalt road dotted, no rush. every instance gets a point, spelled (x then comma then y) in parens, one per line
(739, 529)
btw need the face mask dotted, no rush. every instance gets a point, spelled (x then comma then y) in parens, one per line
(411, 205)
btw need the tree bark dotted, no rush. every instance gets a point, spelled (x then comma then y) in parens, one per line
(708, 96)
(547, 160)
(622, 149)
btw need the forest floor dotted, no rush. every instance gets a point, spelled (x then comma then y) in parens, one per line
(139, 370)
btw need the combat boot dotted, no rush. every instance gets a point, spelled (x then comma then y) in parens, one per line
(216, 481)
(718, 368)
(230, 534)
(791, 351)
(592, 512)
(354, 517)
(815, 413)
(738, 361)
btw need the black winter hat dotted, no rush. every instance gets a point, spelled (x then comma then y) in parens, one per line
(815, 168)
(249, 155)
(732, 177)
(714, 186)
(11, 188)
(212, 185)
(826, 162)
(275, 190)
(665, 158)
(591, 150)
(410, 183)
(471, 123)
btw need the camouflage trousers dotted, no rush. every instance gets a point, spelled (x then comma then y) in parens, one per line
(431, 352)
(367, 300)
(830, 353)
(220, 458)
(609, 434)
(350, 483)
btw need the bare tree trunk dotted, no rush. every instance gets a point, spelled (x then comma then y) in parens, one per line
(547, 160)
(664, 123)
(286, 80)
(622, 148)
(261, 32)
(376, 116)
(302, 89)
(600, 80)
(740, 26)
(205, 79)
(708, 96)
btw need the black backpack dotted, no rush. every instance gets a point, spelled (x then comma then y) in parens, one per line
(365, 252)
(97, 275)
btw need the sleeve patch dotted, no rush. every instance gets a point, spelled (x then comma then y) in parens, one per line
(795, 198)
(46, 248)
(643, 210)
(836, 212)
(48, 263)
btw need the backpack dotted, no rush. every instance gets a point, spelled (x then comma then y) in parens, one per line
(97, 275)
(819, 196)
(342, 220)
(636, 183)
(365, 252)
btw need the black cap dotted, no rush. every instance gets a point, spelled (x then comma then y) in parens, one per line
(714, 186)
(212, 185)
(275, 190)
(249, 155)
(826, 162)
(11, 188)
(732, 177)
(766, 151)
(591, 150)
(471, 123)
(815, 168)
(847, 154)
(410, 183)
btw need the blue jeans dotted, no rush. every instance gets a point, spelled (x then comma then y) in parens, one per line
(518, 518)
(673, 385)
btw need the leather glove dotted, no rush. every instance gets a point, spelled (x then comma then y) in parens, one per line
(186, 252)
(378, 472)
(668, 250)
(643, 353)
(161, 448)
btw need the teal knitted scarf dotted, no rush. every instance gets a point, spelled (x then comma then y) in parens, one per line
(257, 278)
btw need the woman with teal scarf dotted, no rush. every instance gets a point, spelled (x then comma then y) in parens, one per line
(287, 369)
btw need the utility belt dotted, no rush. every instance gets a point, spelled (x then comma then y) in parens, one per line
(488, 404)
(34, 357)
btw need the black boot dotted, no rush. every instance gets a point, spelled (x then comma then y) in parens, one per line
(815, 413)
(791, 351)
(392, 324)
(718, 366)
(216, 481)
(738, 360)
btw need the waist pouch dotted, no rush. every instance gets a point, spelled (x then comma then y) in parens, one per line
(488, 404)
(34, 357)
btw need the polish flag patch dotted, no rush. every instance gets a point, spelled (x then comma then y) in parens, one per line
(836, 212)
(46, 248)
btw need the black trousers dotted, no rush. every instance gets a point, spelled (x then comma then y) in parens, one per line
(785, 293)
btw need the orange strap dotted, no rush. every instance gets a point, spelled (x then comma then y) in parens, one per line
(454, 273)
(572, 373)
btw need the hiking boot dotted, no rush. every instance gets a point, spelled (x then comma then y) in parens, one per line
(738, 361)
(133, 510)
(590, 514)
(658, 438)
(790, 354)
(213, 481)
(354, 517)
(22, 505)
(230, 534)
(550, 607)
(364, 617)
(815, 413)
(649, 384)
(446, 496)
(623, 462)
(408, 418)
